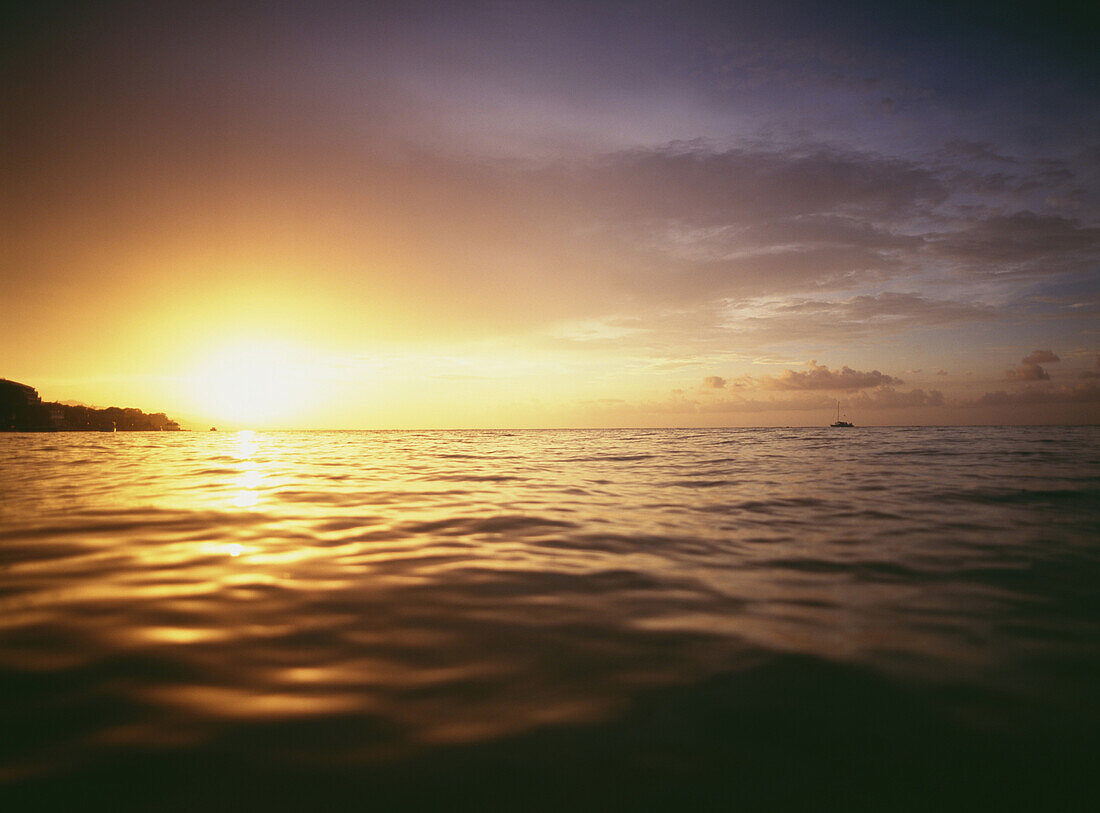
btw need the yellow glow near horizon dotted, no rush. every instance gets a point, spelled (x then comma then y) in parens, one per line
(252, 383)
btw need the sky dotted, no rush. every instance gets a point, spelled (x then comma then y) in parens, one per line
(572, 214)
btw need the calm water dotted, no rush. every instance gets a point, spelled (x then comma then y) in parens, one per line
(871, 619)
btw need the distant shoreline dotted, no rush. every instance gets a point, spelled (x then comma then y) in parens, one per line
(22, 410)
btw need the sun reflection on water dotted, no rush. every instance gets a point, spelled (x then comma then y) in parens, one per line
(246, 499)
(397, 593)
(249, 476)
(246, 444)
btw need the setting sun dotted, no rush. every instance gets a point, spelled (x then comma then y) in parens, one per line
(252, 383)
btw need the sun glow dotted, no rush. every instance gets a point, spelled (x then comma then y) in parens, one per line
(253, 384)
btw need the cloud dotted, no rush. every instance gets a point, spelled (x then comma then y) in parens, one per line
(570, 240)
(877, 399)
(820, 377)
(714, 382)
(958, 148)
(889, 398)
(1027, 372)
(1064, 394)
(776, 320)
(1021, 242)
(1029, 369)
(1040, 357)
(695, 183)
(910, 308)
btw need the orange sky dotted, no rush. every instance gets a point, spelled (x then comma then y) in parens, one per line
(503, 219)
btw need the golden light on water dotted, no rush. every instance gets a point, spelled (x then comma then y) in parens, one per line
(248, 478)
(246, 444)
(246, 499)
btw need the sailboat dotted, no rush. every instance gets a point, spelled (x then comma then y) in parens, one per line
(839, 422)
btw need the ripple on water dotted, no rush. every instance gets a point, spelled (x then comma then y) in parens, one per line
(631, 618)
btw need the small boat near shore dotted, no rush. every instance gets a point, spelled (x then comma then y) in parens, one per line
(838, 421)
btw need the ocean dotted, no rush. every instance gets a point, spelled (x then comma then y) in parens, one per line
(721, 619)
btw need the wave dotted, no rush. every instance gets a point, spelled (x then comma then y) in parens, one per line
(539, 620)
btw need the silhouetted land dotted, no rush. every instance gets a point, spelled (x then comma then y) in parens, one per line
(21, 410)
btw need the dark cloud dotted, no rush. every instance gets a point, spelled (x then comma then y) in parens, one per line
(672, 226)
(1063, 394)
(784, 270)
(822, 230)
(794, 319)
(820, 377)
(1015, 181)
(695, 183)
(637, 232)
(1030, 369)
(1024, 241)
(879, 398)
(911, 308)
(1027, 372)
(1040, 357)
(958, 148)
(889, 398)
(714, 382)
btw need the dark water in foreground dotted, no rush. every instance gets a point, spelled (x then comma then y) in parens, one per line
(874, 619)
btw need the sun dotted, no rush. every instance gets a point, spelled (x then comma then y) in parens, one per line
(253, 384)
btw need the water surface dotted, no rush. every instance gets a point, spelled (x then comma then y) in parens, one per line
(633, 619)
